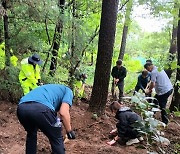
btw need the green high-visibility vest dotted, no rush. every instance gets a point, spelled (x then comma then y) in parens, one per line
(29, 76)
(13, 59)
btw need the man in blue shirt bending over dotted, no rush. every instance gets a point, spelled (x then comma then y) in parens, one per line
(38, 110)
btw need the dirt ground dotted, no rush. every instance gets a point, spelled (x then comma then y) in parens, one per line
(92, 134)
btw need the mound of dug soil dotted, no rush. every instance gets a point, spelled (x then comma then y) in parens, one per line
(92, 134)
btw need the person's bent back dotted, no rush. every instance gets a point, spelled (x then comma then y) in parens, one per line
(38, 110)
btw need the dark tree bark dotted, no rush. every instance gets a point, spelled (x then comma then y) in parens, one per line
(172, 51)
(47, 32)
(173, 44)
(176, 102)
(57, 39)
(125, 29)
(6, 34)
(73, 57)
(104, 57)
(123, 42)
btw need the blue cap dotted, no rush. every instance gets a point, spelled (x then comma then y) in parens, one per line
(35, 59)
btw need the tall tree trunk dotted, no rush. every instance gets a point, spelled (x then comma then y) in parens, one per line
(104, 57)
(6, 34)
(57, 39)
(72, 48)
(176, 101)
(173, 44)
(125, 29)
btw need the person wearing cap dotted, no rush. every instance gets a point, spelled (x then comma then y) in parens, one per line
(29, 75)
(39, 110)
(119, 73)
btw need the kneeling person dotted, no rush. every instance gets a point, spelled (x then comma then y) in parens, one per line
(125, 129)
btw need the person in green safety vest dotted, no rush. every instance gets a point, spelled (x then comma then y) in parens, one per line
(79, 85)
(29, 75)
(2, 55)
(13, 58)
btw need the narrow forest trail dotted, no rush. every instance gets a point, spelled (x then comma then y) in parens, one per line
(92, 135)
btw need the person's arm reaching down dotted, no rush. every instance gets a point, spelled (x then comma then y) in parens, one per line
(150, 87)
(66, 120)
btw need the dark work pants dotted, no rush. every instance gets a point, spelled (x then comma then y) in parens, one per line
(130, 133)
(162, 101)
(137, 88)
(121, 89)
(34, 116)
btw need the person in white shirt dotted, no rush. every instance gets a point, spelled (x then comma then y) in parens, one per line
(163, 88)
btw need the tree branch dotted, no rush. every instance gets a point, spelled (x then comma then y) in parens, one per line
(96, 32)
(47, 33)
(123, 5)
(48, 54)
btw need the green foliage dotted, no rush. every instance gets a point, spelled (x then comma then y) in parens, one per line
(89, 70)
(60, 77)
(28, 33)
(149, 126)
(149, 44)
(10, 87)
(132, 65)
(177, 148)
(177, 112)
(130, 82)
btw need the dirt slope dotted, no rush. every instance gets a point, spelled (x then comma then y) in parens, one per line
(92, 135)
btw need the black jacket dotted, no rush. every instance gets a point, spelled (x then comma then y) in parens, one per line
(119, 73)
(126, 118)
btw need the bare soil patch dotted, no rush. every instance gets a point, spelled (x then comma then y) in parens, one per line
(92, 134)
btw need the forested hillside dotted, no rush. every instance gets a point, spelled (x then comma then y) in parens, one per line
(77, 43)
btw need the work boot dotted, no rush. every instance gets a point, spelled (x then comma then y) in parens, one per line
(140, 138)
(132, 141)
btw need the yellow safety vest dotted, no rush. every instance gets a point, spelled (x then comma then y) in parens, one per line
(79, 89)
(29, 76)
(13, 59)
(2, 56)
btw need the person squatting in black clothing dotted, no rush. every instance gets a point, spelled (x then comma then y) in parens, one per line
(124, 128)
(143, 80)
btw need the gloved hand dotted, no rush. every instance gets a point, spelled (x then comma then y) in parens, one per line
(39, 83)
(71, 135)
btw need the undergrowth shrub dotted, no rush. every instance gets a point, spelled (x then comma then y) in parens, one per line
(10, 89)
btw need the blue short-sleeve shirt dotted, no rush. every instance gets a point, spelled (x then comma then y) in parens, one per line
(51, 95)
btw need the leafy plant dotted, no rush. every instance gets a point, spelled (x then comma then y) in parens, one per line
(150, 127)
(177, 112)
